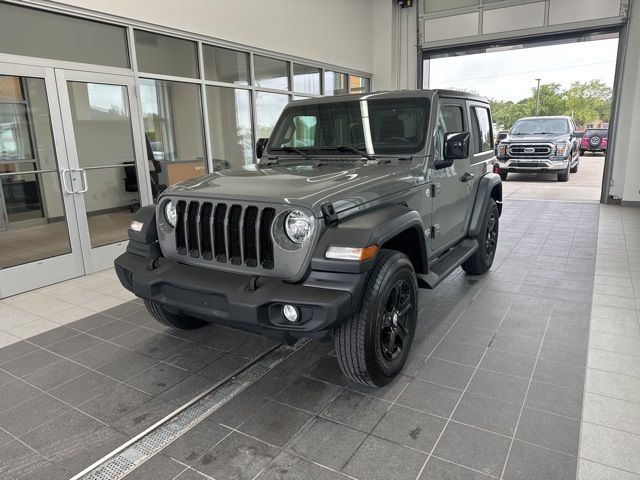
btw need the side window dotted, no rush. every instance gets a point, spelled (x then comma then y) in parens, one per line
(481, 125)
(450, 120)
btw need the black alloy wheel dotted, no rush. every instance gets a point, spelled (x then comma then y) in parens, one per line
(395, 319)
(491, 237)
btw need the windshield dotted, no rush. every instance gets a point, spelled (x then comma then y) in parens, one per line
(529, 126)
(398, 126)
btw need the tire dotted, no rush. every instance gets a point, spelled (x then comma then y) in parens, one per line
(564, 176)
(480, 262)
(181, 322)
(503, 175)
(372, 346)
(575, 168)
(582, 152)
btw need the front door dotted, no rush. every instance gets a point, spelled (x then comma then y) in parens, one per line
(109, 171)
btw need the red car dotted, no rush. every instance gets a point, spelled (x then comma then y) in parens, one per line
(594, 140)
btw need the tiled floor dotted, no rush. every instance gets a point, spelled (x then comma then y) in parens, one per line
(494, 387)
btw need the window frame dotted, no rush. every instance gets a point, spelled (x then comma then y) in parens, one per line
(475, 121)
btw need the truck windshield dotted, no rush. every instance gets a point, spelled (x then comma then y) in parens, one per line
(397, 126)
(540, 126)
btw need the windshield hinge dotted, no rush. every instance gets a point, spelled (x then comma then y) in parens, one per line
(329, 214)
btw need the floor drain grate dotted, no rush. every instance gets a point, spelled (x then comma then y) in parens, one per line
(132, 454)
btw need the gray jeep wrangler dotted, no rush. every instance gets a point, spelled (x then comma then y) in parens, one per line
(357, 202)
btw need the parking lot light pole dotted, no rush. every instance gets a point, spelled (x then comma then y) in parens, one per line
(538, 97)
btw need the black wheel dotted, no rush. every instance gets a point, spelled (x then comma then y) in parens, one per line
(564, 176)
(482, 259)
(503, 175)
(372, 346)
(581, 152)
(182, 322)
(575, 168)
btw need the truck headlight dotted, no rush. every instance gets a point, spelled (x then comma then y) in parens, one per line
(298, 226)
(502, 150)
(170, 213)
(561, 149)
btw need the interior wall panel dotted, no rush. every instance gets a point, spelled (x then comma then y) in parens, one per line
(444, 28)
(566, 11)
(513, 18)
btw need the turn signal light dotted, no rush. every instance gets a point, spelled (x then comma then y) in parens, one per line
(352, 253)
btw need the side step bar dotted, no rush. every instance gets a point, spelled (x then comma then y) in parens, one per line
(447, 263)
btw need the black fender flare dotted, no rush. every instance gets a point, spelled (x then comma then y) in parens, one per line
(148, 232)
(373, 227)
(490, 186)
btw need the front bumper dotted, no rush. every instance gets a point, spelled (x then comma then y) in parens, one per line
(533, 165)
(228, 299)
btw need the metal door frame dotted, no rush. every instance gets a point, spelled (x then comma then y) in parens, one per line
(101, 258)
(50, 270)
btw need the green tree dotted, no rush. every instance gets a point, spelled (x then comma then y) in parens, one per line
(589, 101)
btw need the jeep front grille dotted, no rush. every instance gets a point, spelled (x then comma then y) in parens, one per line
(218, 232)
(530, 151)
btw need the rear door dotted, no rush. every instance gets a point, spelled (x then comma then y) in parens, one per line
(481, 148)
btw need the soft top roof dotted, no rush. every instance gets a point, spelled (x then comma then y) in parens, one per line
(393, 94)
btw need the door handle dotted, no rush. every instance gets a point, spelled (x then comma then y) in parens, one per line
(65, 186)
(85, 184)
(466, 177)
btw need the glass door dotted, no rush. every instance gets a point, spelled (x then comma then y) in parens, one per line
(39, 241)
(109, 171)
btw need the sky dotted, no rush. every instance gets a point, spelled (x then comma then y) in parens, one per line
(511, 74)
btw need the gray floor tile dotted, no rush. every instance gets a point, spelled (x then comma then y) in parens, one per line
(308, 394)
(508, 363)
(529, 462)
(359, 411)
(430, 398)
(111, 405)
(238, 410)
(290, 467)
(275, 424)
(111, 330)
(31, 414)
(142, 417)
(53, 336)
(389, 392)
(97, 356)
(327, 370)
(328, 443)
(55, 374)
(554, 399)
(15, 392)
(229, 460)
(226, 339)
(499, 386)
(470, 335)
(15, 350)
(83, 388)
(563, 352)
(94, 447)
(487, 413)
(378, 459)
(186, 390)
(569, 376)
(158, 467)
(459, 352)
(123, 310)
(437, 469)
(163, 347)
(549, 430)
(30, 362)
(223, 367)
(188, 448)
(18, 461)
(75, 344)
(194, 357)
(445, 373)
(595, 471)
(89, 323)
(410, 428)
(612, 412)
(132, 337)
(158, 378)
(127, 366)
(254, 346)
(519, 344)
(473, 448)
(190, 474)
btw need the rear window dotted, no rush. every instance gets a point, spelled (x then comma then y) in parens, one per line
(595, 131)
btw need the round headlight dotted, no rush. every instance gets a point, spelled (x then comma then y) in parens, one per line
(298, 226)
(170, 213)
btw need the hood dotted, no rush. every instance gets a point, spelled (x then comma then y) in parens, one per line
(548, 138)
(344, 184)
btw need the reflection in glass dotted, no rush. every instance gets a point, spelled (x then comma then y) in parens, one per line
(306, 79)
(173, 126)
(335, 83)
(104, 143)
(166, 55)
(225, 65)
(358, 84)
(269, 106)
(32, 218)
(229, 111)
(271, 73)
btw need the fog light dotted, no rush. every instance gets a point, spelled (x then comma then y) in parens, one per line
(290, 313)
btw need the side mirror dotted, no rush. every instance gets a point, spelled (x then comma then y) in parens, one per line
(577, 134)
(260, 146)
(456, 147)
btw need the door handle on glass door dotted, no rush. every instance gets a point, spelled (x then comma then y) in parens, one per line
(65, 186)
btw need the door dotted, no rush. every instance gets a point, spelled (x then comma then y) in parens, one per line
(109, 174)
(450, 185)
(39, 240)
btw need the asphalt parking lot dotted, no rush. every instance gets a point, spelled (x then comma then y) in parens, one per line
(583, 186)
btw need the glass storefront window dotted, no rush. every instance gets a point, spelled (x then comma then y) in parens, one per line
(34, 33)
(306, 79)
(173, 128)
(166, 55)
(229, 113)
(269, 106)
(225, 65)
(335, 83)
(271, 73)
(358, 84)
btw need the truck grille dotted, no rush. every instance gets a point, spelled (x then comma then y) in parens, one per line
(218, 232)
(530, 151)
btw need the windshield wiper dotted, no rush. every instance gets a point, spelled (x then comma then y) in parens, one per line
(349, 148)
(292, 150)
